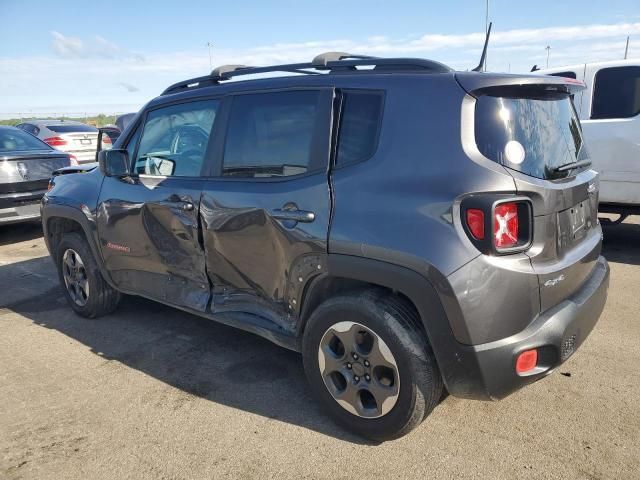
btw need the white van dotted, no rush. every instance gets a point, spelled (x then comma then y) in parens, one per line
(609, 111)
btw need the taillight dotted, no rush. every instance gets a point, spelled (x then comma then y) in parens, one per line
(55, 141)
(106, 140)
(73, 160)
(498, 224)
(475, 222)
(505, 225)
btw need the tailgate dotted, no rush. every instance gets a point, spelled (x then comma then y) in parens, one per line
(567, 236)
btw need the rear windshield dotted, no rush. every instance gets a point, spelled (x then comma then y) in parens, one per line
(13, 139)
(72, 128)
(534, 136)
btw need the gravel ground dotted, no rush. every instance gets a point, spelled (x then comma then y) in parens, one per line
(151, 392)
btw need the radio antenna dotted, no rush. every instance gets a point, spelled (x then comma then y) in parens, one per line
(483, 58)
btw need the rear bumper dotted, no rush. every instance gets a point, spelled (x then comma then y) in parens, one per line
(489, 368)
(20, 207)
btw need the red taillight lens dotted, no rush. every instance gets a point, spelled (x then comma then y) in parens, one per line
(55, 141)
(527, 361)
(475, 222)
(505, 225)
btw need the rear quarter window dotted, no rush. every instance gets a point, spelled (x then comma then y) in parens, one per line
(359, 125)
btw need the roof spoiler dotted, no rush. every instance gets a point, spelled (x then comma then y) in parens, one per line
(472, 82)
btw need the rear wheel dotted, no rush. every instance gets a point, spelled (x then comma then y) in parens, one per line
(87, 292)
(370, 365)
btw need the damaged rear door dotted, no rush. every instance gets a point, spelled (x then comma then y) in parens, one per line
(148, 223)
(265, 211)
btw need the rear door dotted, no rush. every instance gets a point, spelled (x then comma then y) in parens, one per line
(148, 223)
(612, 131)
(265, 211)
(535, 133)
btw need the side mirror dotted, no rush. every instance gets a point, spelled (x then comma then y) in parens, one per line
(114, 163)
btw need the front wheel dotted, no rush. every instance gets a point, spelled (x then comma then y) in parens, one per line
(370, 365)
(87, 292)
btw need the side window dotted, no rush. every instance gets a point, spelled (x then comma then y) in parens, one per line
(270, 134)
(359, 124)
(133, 141)
(175, 138)
(564, 74)
(616, 93)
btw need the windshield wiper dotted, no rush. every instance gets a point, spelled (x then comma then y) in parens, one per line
(572, 165)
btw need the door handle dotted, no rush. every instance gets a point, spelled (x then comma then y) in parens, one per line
(294, 215)
(185, 206)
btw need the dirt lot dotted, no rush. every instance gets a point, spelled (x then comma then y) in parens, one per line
(151, 392)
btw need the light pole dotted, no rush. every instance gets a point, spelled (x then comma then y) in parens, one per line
(548, 49)
(209, 44)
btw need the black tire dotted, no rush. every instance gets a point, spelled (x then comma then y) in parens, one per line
(420, 382)
(102, 298)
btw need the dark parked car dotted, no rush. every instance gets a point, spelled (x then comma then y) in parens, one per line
(26, 164)
(404, 226)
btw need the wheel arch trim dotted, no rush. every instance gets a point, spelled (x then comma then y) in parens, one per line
(76, 215)
(457, 366)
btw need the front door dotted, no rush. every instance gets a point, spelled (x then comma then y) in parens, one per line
(265, 216)
(148, 223)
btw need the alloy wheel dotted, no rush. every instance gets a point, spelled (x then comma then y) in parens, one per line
(75, 277)
(359, 370)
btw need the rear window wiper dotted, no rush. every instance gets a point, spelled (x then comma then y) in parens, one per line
(572, 165)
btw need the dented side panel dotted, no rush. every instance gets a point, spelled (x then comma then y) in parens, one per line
(258, 263)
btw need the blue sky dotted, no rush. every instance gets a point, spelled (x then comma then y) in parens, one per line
(113, 56)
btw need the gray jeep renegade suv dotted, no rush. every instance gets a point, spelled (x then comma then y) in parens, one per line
(407, 228)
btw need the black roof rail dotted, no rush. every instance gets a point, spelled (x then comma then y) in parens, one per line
(331, 61)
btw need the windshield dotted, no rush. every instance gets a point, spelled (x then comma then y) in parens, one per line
(534, 136)
(15, 140)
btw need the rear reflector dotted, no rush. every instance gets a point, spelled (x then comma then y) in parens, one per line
(527, 361)
(505, 225)
(55, 141)
(475, 222)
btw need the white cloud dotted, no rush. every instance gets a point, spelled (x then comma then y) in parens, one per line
(67, 46)
(124, 76)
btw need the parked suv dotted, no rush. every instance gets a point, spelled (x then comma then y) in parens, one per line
(404, 226)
